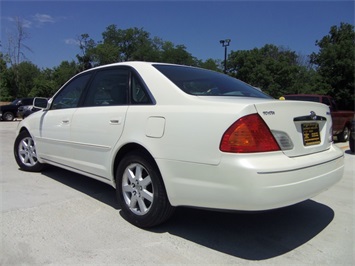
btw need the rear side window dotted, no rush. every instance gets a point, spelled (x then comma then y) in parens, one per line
(109, 87)
(201, 82)
(139, 93)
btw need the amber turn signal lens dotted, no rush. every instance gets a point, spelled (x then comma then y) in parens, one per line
(248, 134)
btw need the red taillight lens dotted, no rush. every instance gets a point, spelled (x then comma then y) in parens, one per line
(248, 134)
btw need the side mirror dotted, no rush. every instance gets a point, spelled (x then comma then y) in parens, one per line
(41, 103)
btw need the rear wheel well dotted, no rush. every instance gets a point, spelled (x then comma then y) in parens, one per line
(127, 149)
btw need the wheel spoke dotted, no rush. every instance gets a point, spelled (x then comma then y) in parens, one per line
(131, 175)
(22, 153)
(31, 159)
(133, 202)
(142, 207)
(127, 188)
(147, 195)
(138, 172)
(24, 144)
(25, 159)
(146, 181)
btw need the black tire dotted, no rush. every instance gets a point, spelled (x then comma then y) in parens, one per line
(25, 153)
(352, 144)
(8, 116)
(141, 192)
(344, 135)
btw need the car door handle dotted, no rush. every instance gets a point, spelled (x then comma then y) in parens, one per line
(115, 121)
(65, 121)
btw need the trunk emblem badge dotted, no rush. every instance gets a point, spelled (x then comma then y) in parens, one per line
(268, 112)
(313, 115)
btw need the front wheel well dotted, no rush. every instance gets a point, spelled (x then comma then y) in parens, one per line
(23, 129)
(130, 147)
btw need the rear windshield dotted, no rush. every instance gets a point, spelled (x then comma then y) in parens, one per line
(196, 81)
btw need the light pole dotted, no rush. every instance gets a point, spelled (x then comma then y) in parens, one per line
(225, 43)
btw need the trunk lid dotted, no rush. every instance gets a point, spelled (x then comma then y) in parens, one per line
(300, 128)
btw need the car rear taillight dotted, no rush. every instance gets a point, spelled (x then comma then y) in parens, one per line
(248, 134)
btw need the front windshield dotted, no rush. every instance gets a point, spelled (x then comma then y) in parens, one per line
(201, 82)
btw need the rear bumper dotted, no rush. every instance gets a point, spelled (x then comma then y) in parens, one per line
(254, 182)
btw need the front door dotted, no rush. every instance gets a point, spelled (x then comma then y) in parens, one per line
(53, 138)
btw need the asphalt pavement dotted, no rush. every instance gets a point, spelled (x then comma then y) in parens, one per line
(61, 218)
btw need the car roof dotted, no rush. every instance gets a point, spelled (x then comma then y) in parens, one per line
(134, 64)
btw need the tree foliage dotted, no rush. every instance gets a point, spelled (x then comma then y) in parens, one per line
(132, 44)
(15, 55)
(273, 69)
(276, 70)
(335, 62)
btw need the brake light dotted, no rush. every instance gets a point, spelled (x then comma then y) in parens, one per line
(248, 134)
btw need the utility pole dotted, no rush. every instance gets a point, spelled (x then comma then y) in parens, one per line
(225, 43)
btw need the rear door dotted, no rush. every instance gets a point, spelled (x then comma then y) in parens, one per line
(98, 124)
(306, 124)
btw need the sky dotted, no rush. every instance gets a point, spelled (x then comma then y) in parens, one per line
(53, 27)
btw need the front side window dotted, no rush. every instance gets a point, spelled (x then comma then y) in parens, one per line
(69, 96)
(201, 82)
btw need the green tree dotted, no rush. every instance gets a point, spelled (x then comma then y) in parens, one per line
(211, 64)
(105, 53)
(176, 54)
(16, 54)
(64, 72)
(86, 45)
(5, 93)
(273, 69)
(131, 44)
(335, 63)
(50, 80)
(44, 84)
(20, 79)
(119, 45)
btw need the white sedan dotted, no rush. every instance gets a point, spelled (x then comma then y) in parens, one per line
(168, 135)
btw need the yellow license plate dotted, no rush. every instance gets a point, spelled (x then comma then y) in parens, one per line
(310, 133)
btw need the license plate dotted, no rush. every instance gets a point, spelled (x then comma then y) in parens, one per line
(310, 133)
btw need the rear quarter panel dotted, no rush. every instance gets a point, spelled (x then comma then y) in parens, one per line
(192, 132)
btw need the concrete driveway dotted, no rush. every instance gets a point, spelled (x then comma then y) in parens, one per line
(60, 218)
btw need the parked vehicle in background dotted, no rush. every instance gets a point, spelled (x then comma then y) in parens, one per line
(10, 112)
(24, 111)
(341, 119)
(169, 135)
(352, 136)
